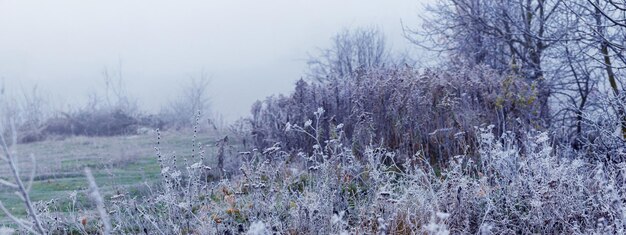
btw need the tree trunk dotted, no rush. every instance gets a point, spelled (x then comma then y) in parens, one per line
(604, 50)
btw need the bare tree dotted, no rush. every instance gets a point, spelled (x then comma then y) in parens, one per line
(613, 11)
(27, 110)
(517, 36)
(115, 95)
(193, 98)
(604, 42)
(351, 51)
(593, 54)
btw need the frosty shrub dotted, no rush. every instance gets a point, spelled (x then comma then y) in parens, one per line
(543, 189)
(402, 109)
(505, 191)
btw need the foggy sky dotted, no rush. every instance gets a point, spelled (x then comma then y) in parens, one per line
(250, 49)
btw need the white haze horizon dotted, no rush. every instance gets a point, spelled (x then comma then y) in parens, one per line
(249, 49)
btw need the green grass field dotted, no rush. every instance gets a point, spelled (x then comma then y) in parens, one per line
(120, 164)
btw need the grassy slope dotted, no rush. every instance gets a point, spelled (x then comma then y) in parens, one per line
(120, 164)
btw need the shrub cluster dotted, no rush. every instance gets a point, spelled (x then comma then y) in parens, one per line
(434, 111)
(543, 189)
(102, 122)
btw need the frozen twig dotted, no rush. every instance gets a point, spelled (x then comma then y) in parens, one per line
(95, 195)
(22, 191)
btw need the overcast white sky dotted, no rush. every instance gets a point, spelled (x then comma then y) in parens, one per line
(251, 49)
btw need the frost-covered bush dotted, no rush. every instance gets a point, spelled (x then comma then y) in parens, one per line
(402, 109)
(504, 190)
(513, 185)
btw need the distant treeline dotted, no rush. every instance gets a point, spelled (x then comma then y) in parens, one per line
(29, 117)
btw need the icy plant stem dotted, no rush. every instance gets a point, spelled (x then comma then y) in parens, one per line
(95, 194)
(21, 189)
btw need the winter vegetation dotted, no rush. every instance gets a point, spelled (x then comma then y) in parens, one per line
(520, 129)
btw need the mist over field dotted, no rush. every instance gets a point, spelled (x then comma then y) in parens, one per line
(249, 49)
(313, 117)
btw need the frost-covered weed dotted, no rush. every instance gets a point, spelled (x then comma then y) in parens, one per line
(514, 185)
(401, 108)
(257, 228)
(504, 190)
